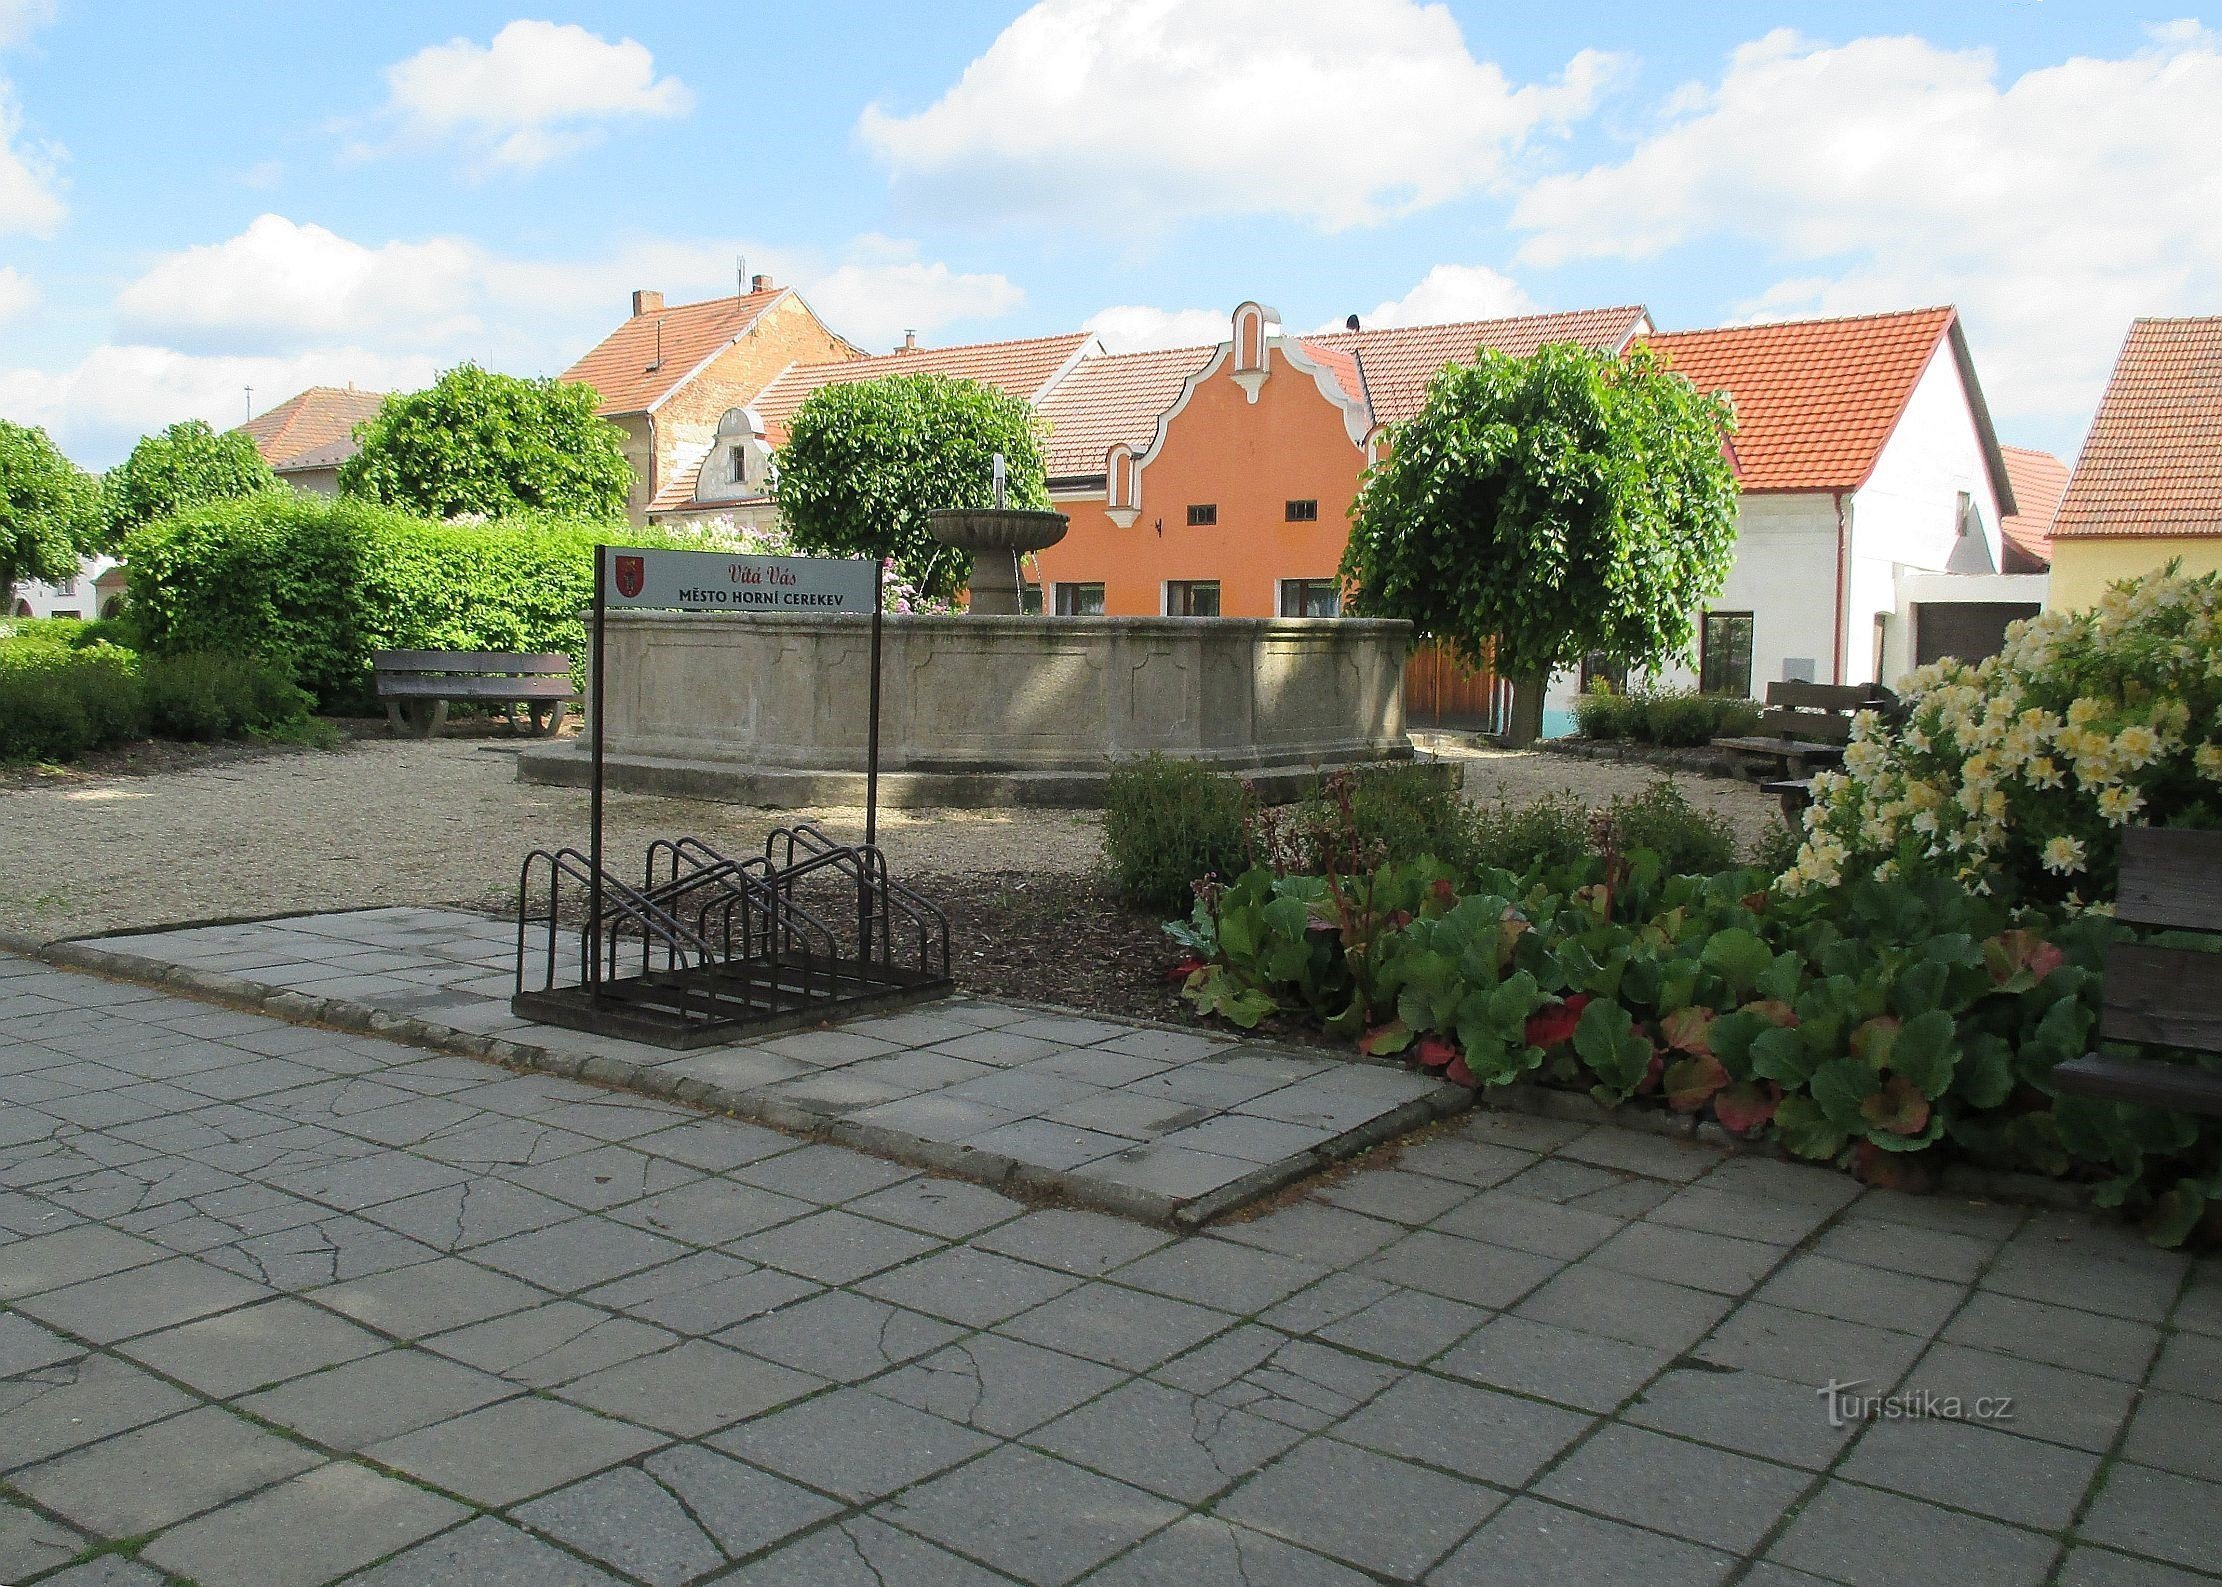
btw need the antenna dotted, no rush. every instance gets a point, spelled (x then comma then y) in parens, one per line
(250, 402)
(659, 363)
(740, 275)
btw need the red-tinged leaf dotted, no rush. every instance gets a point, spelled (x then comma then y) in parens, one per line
(1757, 902)
(1553, 1025)
(1874, 1039)
(2021, 958)
(1746, 1105)
(1441, 891)
(1435, 1051)
(1913, 1172)
(1652, 1076)
(1899, 1107)
(1459, 1075)
(1179, 971)
(1382, 1040)
(1689, 1030)
(1691, 1082)
(1773, 1010)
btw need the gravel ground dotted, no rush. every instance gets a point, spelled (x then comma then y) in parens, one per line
(385, 821)
(1494, 774)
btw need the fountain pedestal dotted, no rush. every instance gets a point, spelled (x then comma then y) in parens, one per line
(997, 537)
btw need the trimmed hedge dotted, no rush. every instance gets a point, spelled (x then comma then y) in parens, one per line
(1677, 718)
(58, 702)
(317, 583)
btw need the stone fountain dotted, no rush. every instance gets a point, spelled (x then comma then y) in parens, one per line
(996, 537)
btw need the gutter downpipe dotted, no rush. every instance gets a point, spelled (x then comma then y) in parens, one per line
(1843, 578)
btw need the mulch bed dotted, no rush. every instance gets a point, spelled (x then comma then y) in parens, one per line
(1056, 939)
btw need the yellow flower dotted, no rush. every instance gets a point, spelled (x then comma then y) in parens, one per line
(2119, 804)
(2137, 745)
(2209, 762)
(2063, 855)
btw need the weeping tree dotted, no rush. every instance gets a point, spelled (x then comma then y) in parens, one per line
(49, 510)
(1538, 509)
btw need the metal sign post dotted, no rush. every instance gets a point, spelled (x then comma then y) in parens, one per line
(598, 696)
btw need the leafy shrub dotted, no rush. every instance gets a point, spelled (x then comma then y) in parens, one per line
(1675, 718)
(2016, 776)
(201, 695)
(122, 631)
(1169, 823)
(57, 703)
(1688, 841)
(1605, 713)
(1545, 833)
(1358, 818)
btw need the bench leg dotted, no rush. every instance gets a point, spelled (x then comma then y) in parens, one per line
(422, 718)
(1793, 809)
(547, 720)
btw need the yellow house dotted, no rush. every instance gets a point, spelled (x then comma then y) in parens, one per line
(2147, 489)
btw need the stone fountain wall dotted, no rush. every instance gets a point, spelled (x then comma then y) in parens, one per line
(982, 710)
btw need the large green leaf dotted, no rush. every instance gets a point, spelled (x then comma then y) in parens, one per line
(1926, 1052)
(1738, 957)
(1604, 1039)
(1781, 1054)
(1841, 1087)
(1806, 1131)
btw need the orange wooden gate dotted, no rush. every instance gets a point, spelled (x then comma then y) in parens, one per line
(1440, 690)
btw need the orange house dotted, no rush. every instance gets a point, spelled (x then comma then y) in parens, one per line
(1218, 481)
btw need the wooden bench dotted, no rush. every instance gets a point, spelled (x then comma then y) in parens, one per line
(417, 686)
(2156, 996)
(1805, 728)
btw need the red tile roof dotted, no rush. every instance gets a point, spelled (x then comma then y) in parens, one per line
(315, 420)
(1022, 368)
(1815, 399)
(2040, 479)
(1400, 360)
(2152, 463)
(1342, 364)
(1113, 398)
(677, 494)
(644, 360)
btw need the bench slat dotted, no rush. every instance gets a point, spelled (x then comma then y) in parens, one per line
(1825, 726)
(469, 661)
(1829, 696)
(408, 687)
(2171, 877)
(2153, 1082)
(2163, 997)
(1786, 748)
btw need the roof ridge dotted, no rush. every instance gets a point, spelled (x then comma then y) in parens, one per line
(705, 303)
(1813, 319)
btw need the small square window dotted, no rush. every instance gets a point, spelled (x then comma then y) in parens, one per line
(1079, 600)
(1202, 513)
(1310, 598)
(1303, 511)
(1192, 598)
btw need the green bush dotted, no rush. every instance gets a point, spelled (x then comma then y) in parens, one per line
(201, 695)
(1604, 713)
(317, 583)
(1169, 823)
(56, 703)
(1353, 820)
(1675, 718)
(1688, 841)
(1549, 831)
(122, 631)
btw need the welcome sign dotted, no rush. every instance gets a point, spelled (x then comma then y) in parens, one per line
(724, 581)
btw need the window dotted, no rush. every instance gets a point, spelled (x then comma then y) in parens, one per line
(1310, 598)
(1201, 514)
(740, 465)
(1079, 600)
(1303, 512)
(1724, 655)
(1192, 598)
(1600, 669)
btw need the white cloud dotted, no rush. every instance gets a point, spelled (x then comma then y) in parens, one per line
(1888, 172)
(538, 90)
(1131, 113)
(1136, 327)
(1451, 292)
(18, 293)
(30, 189)
(19, 19)
(883, 289)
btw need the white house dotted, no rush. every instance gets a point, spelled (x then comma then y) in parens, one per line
(1874, 490)
(95, 591)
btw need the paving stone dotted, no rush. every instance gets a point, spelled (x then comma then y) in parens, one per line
(691, 1389)
(329, 1251)
(108, 1571)
(1166, 1440)
(1621, 1306)
(1297, 1382)
(550, 1344)
(1745, 1411)
(1095, 1066)
(1405, 1325)
(1866, 1538)
(312, 1529)
(2158, 1514)
(1120, 1327)
(2075, 1408)
(141, 1299)
(1521, 1223)
(626, 1519)
(713, 1211)
(2097, 1266)
(49, 1409)
(606, 1177)
(30, 1543)
(828, 1048)
(143, 1480)
(1653, 1156)
(862, 1552)
(1715, 1262)
(1198, 1549)
(252, 1346)
(1443, 1264)
(1073, 1240)
(1479, 1164)
(429, 1297)
(1529, 1542)
(714, 1145)
(2098, 1567)
(1325, 1302)
(949, 1208)
(1215, 1273)
(1852, 1293)
(841, 1336)
(998, 1385)
(1584, 1370)
(2059, 1335)
(998, 1047)
(1257, 1140)
(363, 1402)
(1474, 1432)
(1043, 1144)
(1366, 1509)
(702, 1293)
(1804, 1348)
(2190, 1364)
(1170, 1171)
(1932, 1253)
(853, 1442)
(24, 1346)
(1396, 1195)
(1314, 1231)
(2177, 1433)
(743, 1509)
(1974, 1468)
(935, 1116)
(511, 1451)
(834, 1247)
(743, 1069)
(368, 1180)
(485, 1553)
(578, 1255)
(1708, 1496)
(1740, 1214)
(1039, 1519)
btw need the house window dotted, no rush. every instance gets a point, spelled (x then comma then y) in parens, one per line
(1310, 598)
(1724, 655)
(1600, 670)
(1079, 600)
(740, 465)
(1201, 514)
(1192, 597)
(1303, 512)
(1030, 600)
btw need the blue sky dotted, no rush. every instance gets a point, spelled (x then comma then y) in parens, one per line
(196, 199)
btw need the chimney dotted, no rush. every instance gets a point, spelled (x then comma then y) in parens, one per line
(760, 283)
(647, 302)
(910, 341)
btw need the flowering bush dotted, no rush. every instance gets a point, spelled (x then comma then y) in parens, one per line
(2016, 776)
(898, 595)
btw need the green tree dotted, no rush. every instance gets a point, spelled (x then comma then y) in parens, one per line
(866, 462)
(49, 510)
(181, 467)
(474, 442)
(1537, 509)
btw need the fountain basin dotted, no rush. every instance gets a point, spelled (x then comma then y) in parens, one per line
(996, 537)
